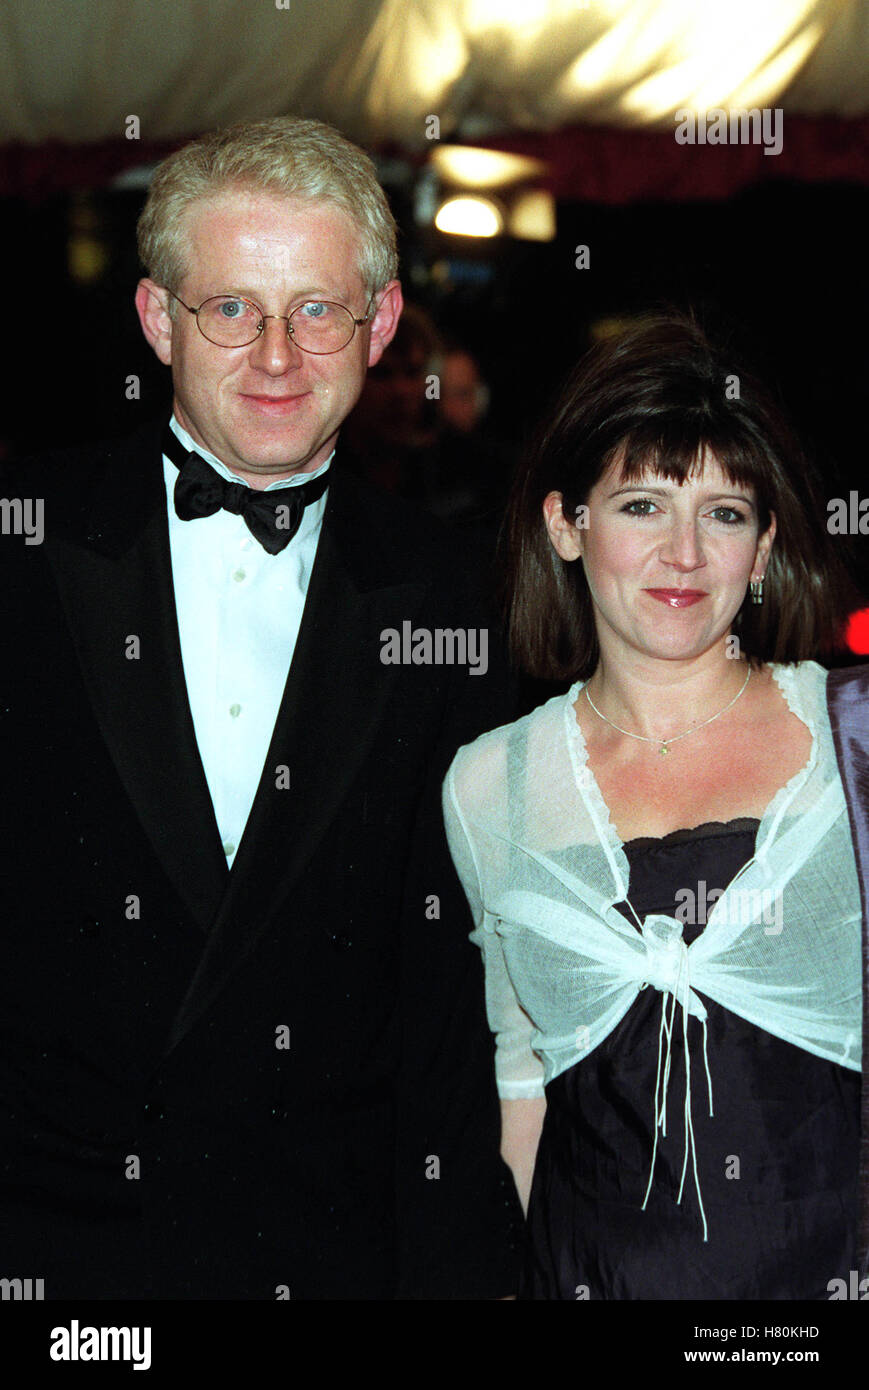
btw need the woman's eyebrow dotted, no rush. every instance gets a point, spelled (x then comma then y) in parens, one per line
(640, 487)
(667, 491)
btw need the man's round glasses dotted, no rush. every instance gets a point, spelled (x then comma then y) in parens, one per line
(317, 326)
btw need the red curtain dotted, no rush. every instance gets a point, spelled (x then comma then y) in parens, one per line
(601, 165)
(587, 163)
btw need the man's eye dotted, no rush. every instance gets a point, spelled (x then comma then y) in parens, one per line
(233, 309)
(316, 309)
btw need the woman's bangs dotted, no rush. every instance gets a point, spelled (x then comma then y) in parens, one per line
(676, 454)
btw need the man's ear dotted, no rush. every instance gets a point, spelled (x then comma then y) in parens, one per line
(152, 302)
(389, 306)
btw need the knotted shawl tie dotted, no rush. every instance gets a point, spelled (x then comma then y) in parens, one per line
(666, 968)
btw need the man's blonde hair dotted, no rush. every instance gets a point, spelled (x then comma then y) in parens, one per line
(284, 155)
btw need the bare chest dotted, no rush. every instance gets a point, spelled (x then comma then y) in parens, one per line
(715, 775)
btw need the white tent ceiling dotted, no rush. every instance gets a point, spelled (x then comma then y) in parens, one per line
(377, 68)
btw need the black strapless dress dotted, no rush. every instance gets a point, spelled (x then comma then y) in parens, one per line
(777, 1164)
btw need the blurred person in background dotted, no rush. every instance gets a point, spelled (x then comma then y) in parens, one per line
(475, 465)
(391, 436)
(419, 431)
(464, 398)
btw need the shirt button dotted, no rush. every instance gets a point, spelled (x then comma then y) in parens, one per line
(234, 711)
(239, 575)
(228, 848)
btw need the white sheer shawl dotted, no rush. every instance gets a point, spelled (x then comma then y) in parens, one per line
(543, 866)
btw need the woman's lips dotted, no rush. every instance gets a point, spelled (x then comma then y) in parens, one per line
(677, 598)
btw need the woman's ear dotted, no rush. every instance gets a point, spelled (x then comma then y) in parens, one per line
(565, 535)
(764, 546)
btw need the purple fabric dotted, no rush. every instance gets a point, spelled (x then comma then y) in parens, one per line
(848, 702)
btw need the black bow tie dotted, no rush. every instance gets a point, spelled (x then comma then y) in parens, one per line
(272, 517)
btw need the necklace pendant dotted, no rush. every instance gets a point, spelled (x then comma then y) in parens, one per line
(663, 749)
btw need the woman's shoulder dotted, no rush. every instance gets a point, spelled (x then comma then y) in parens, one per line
(483, 767)
(815, 693)
(821, 698)
(807, 674)
(803, 684)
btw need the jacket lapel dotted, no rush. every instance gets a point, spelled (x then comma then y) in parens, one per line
(334, 699)
(113, 568)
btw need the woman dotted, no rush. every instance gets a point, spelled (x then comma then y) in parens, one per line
(659, 861)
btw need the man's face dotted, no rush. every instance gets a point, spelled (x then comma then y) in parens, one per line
(267, 410)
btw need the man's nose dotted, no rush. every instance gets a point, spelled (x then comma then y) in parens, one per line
(274, 350)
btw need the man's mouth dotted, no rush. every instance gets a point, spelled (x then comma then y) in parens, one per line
(275, 405)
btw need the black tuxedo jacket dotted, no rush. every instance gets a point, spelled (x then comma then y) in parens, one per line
(271, 1082)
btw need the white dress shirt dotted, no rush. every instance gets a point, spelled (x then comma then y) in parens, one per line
(239, 611)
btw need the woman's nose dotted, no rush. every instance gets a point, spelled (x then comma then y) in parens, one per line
(682, 546)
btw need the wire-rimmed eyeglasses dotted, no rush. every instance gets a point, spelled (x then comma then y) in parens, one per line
(318, 326)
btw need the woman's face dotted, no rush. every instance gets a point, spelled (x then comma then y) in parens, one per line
(667, 565)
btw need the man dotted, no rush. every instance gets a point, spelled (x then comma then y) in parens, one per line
(244, 1051)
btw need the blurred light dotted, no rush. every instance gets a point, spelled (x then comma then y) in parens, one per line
(612, 326)
(470, 167)
(857, 633)
(87, 260)
(532, 216)
(87, 255)
(657, 56)
(776, 73)
(482, 15)
(426, 197)
(135, 179)
(466, 216)
(711, 86)
(536, 18)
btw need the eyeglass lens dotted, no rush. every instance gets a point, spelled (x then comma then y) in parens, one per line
(316, 326)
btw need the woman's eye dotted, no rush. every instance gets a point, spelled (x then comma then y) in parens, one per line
(642, 506)
(729, 515)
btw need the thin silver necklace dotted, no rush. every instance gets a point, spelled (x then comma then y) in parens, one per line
(665, 742)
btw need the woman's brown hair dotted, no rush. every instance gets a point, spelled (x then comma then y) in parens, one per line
(657, 396)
